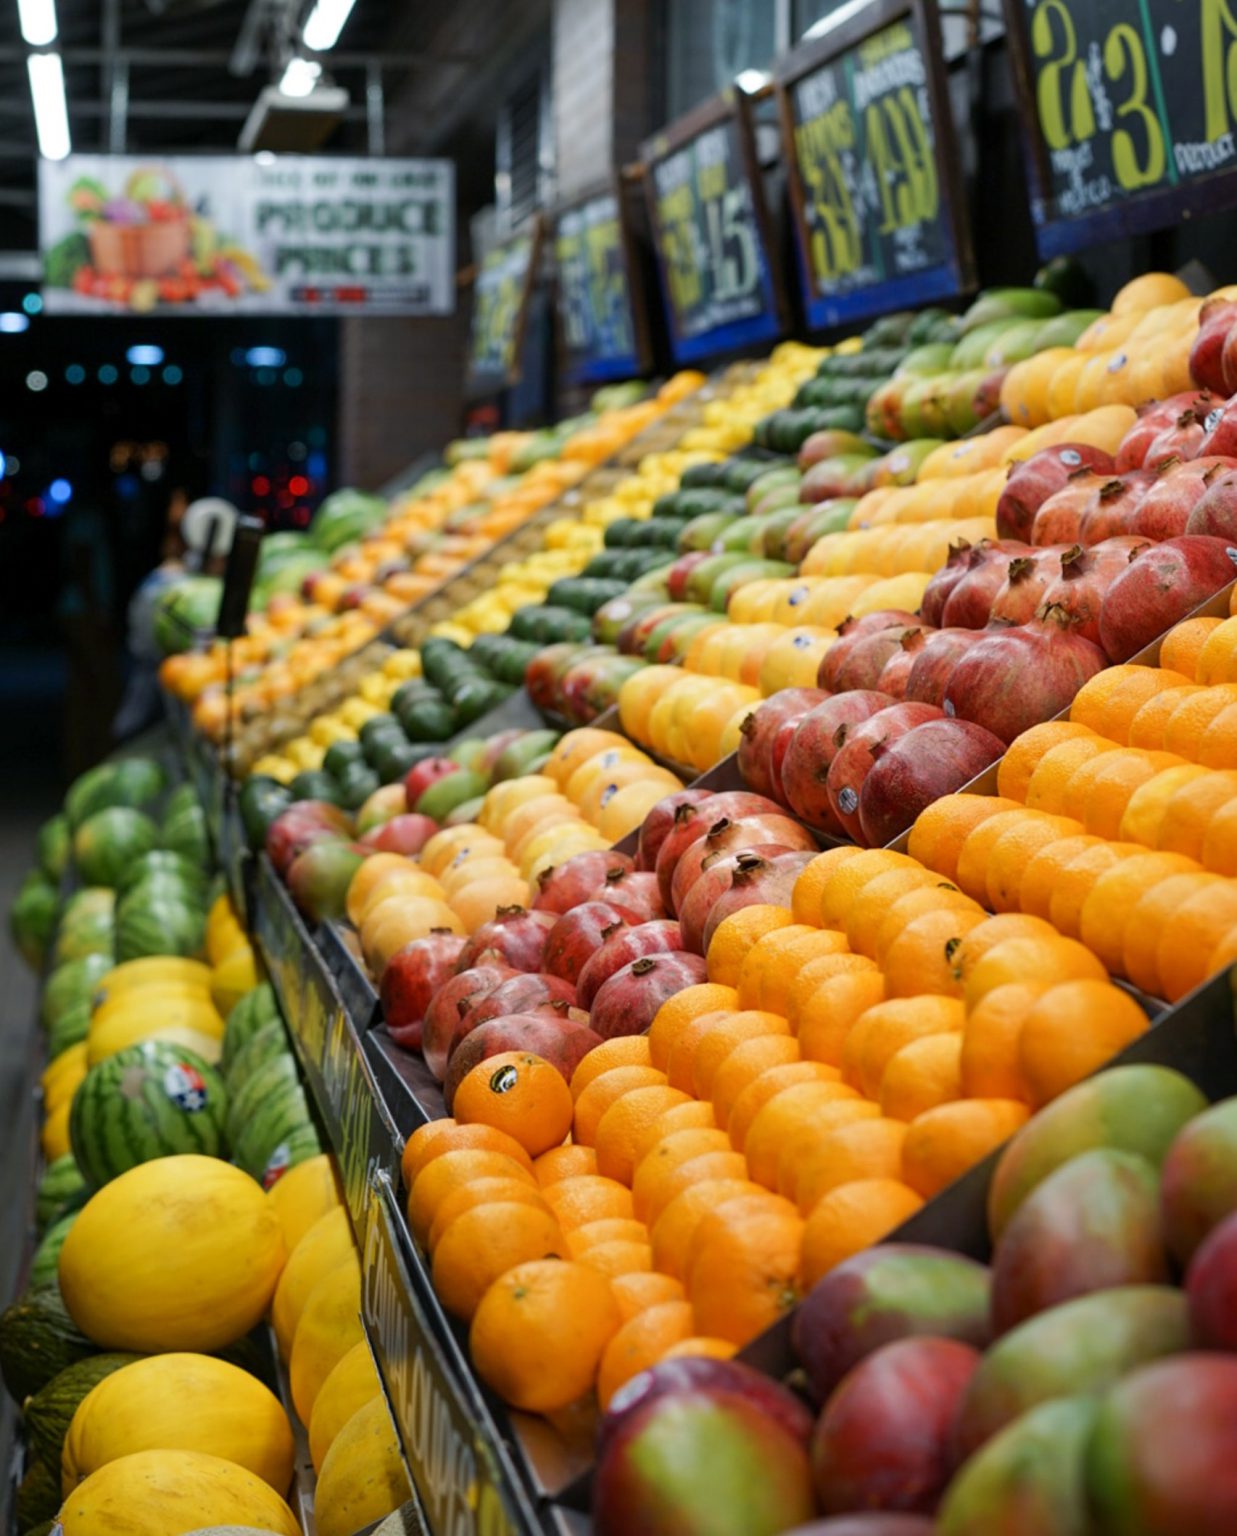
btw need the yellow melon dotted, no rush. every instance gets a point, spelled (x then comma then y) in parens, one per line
(363, 1477)
(351, 1384)
(304, 1194)
(54, 1138)
(164, 1493)
(328, 1244)
(236, 974)
(330, 1325)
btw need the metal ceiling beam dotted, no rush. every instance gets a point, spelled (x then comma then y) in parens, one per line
(194, 58)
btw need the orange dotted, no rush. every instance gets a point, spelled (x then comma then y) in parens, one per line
(779, 1118)
(940, 831)
(743, 1065)
(802, 1144)
(450, 1172)
(1218, 746)
(1149, 918)
(519, 1093)
(1180, 647)
(1043, 871)
(1148, 805)
(849, 878)
(678, 1011)
(1109, 701)
(883, 1030)
(974, 855)
(587, 1197)
(1106, 911)
(606, 1090)
(1071, 1031)
(622, 1051)
(744, 1271)
(680, 1117)
(564, 1163)
(1076, 882)
(680, 1065)
(805, 898)
(1119, 774)
(878, 895)
(722, 1037)
(484, 1191)
(828, 1018)
(990, 1065)
(993, 931)
(675, 1228)
(1046, 788)
(735, 935)
(1149, 724)
(624, 1125)
(867, 1147)
(943, 1143)
(698, 1348)
(1032, 958)
(1183, 828)
(641, 1289)
(807, 981)
(1220, 844)
(483, 1243)
(1011, 854)
(649, 1181)
(928, 898)
(1191, 934)
(539, 1334)
(923, 1074)
(758, 1093)
(640, 1343)
(1217, 653)
(921, 958)
(851, 1217)
(1028, 750)
(435, 1137)
(715, 1164)
(772, 964)
(1189, 721)
(612, 1229)
(619, 1258)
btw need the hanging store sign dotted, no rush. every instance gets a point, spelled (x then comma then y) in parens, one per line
(501, 296)
(215, 234)
(601, 320)
(710, 231)
(1129, 108)
(869, 146)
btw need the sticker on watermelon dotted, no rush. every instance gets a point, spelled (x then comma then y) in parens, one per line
(277, 1166)
(185, 1086)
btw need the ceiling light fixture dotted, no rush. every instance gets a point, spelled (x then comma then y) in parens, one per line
(51, 113)
(299, 77)
(38, 21)
(324, 24)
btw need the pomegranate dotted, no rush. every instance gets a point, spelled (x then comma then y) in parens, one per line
(578, 934)
(969, 605)
(727, 836)
(1110, 513)
(1216, 512)
(515, 936)
(304, 823)
(715, 879)
(896, 672)
(1159, 588)
(627, 1003)
(448, 1005)
(1182, 439)
(662, 936)
(1221, 425)
(519, 994)
(1228, 364)
(936, 593)
(1164, 512)
(659, 821)
(1216, 320)
(1027, 577)
(935, 759)
(412, 977)
(865, 660)
(1034, 480)
(760, 728)
(1085, 576)
(814, 746)
(634, 890)
(406, 834)
(931, 668)
(757, 880)
(1059, 519)
(564, 1043)
(692, 821)
(1153, 419)
(777, 755)
(566, 885)
(878, 619)
(858, 749)
(421, 775)
(1016, 678)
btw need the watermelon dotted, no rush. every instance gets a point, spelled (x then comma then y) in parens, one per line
(184, 831)
(43, 1267)
(38, 1338)
(140, 780)
(163, 862)
(69, 984)
(32, 917)
(252, 1013)
(48, 1414)
(159, 928)
(105, 844)
(135, 781)
(88, 902)
(270, 1041)
(185, 610)
(160, 886)
(298, 1147)
(262, 798)
(264, 1148)
(153, 1099)
(73, 1025)
(38, 1495)
(53, 846)
(257, 1095)
(90, 934)
(61, 1189)
(345, 515)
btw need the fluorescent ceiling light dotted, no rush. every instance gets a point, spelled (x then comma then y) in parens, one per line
(752, 80)
(836, 18)
(13, 322)
(145, 354)
(38, 21)
(51, 114)
(300, 77)
(325, 23)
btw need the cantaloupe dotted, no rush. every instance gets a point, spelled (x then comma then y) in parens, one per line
(352, 1383)
(156, 1493)
(363, 1476)
(327, 1244)
(303, 1195)
(330, 1325)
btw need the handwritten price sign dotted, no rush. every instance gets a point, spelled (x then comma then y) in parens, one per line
(595, 301)
(500, 307)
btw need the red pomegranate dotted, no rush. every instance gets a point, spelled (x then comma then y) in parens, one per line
(515, 936)
(658, 823)
(662, 936)
(522, 993)
(935, 759)
(1016, 678)
(878, 619)
(896, 673)
(1110, 513)
(856, 657)
(712, 883)
(813, 748)
(859, 749)
(448, 1005)
(1027, 578)
(412, 977)
(1216, 320)
(1035, 479)
(1216, 513)
(634, 890)
(564, 1043)
(757, 881)
(691, 821)
(935, 661)
(566, 885)
(627, 1003)
(936, 593)
(1159, 588)
(578, 934)
(1164, 511)
(1085, 576)
(728, 836)
(760, 729)
(1155, 418)
(969, 605)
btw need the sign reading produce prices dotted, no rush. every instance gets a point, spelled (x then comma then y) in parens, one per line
(226, 234)
(501, 296)
(597, 315)
(869, 145)
(1130, 112)
(710, 231)
(462, 1485)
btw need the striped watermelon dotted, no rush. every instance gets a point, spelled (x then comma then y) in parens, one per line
(184, 827)
(106, 843)
(270, 1041)
(70, 984)
(281, 1135)
(252, 1013)
(44, 1266)
(256, 1095)
(163, 861)
(73, 1025)
(158, 928)
(153, 1099)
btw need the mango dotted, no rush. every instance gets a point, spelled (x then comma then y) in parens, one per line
(1091, 1225)
(1163, 1451)
(1130, 1109)
(893, 1291)
(1082, 1346)
(1030, 1480)
(1199, 1187)
(1211, 1285)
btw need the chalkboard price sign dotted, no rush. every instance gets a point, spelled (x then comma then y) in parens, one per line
(500, 309)
(598, 310)
(710, 231)
(1130, 112)
(868, 139)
